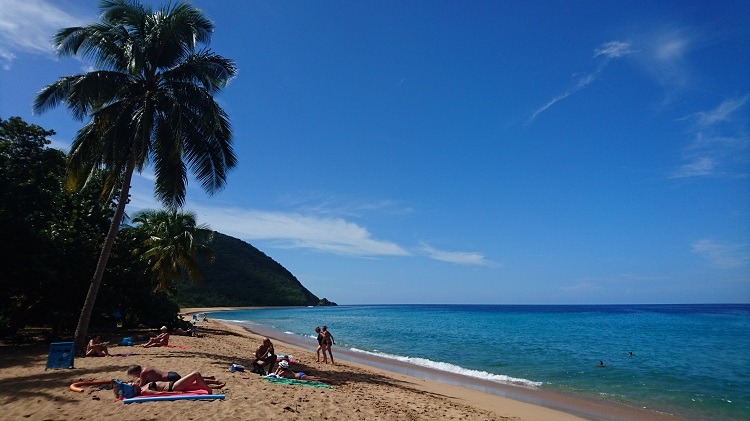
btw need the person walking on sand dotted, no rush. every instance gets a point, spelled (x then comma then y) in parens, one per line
(328, 343)
(321, 340)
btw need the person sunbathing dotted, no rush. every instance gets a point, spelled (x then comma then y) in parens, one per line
(97, 348)
(161, 340)
(287, 373)
(147, 375)
(190, 383)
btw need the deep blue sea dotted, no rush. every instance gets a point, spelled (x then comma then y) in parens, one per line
(689, 360)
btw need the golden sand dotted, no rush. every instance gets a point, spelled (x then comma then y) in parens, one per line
(359, 392)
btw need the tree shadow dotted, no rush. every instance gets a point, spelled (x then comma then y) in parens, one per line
(42, 385)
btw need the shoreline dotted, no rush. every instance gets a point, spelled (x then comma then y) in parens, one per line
(576, 407)
(360, 391)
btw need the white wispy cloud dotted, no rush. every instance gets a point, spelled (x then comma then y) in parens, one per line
(27, 27)
(582, 82)
(608, 50)
(698, 167)
(325, 203)
(458, 257)
(309, 227)
(293, 230)
(723, 255)
(725, 112)
(719, 144)
(613, 49)
(663, 55)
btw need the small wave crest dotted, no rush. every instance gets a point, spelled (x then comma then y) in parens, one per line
(452, 368)
(231, 321)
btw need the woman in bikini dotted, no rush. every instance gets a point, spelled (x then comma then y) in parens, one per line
(321, 340)
(191, 382)
(287, 373)
(328, 343)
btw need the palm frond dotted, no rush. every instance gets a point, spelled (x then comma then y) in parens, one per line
(211, 71)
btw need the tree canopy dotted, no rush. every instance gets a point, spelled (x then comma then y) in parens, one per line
(149, 103)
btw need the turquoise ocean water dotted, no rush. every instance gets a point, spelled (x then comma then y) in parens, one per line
(688, 360)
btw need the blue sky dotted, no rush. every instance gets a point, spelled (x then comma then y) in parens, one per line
(507, 152)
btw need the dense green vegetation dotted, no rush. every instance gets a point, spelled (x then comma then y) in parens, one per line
(53, 237)
(242, 275)
(52, 240)
(150, 101)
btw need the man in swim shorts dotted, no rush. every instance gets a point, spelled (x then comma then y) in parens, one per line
(151, 374)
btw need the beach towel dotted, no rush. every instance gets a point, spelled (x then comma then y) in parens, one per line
(309, 383)
(174, 396)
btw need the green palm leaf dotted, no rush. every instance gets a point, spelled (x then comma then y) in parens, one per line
(150, 103)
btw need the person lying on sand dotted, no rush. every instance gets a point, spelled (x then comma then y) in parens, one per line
(190, 383)
(287, 373)
(161, 340)
(147, 375)
(97, 348)
(183, 332)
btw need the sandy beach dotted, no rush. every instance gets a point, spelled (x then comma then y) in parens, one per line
(359, 392)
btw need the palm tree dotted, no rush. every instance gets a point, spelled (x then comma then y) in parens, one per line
(151, 103)
(174, 245)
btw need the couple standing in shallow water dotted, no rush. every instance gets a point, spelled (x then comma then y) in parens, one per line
(325, 341)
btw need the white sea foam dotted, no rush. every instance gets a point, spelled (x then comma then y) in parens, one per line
(451, 368)
(231, 321)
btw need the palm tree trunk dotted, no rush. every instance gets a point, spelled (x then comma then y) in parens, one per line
(114, 228)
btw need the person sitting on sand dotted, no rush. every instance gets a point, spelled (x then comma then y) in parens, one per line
(265, 357)
(151, 374)
(161, 340)
(192, 382)
(97, 348)
(287, 373)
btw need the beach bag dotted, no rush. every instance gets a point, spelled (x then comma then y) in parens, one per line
(126, 341)
(123, 390)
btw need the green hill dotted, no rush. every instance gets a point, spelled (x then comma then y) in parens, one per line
(242, 275)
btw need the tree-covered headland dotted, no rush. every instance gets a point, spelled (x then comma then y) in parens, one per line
(161, 259)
